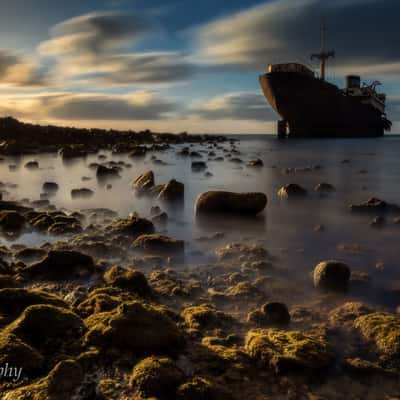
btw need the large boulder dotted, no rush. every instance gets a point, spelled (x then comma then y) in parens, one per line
(11, 221)
(331, 275)
(288, 350)
(136, 328)
(221, 202)
(159, 244)
(61, 264)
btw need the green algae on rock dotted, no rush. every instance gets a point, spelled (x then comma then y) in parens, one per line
(200, 388)
(383, 329)
(288, 350)
(205, 317)
(135, 327)
(156, 376)
(331, 275)
(127, 279)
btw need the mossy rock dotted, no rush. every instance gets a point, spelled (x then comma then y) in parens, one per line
(13, 301)
(205, 317)
(200, 388)
(47, 328)
(241, 252)
(331, 275)
(156, 376)
(288, 350)
(42, 222)
(132, 227)
(270, 314)
(61, 264)
(135, 327)
(19, 354)
(127, 279)
(347, 313)
(159, 244)
(62, 383)
(383, 329)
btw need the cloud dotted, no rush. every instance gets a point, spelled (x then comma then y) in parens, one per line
(363, 32)
(17, 71)
(91, 46)
(88, 106)
(235, 106)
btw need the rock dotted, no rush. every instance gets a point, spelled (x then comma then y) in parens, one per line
(138, 151)
(104, 172)
(32, 165)
(11, 221)
(204, 317)
(132, 227)
(200, 388)
(378, 222)
(30, 254)
(256, 163)
(229, 202)
(346, 314)
(292, 190)
(13, 301)
(61, 264)
(72, 152)
(374, 205)
(57, 325)
(324, 188)
(156, 376)
(50, 187)
(241, 252)
(195, 154)
(155, 210)
(383, 330)
(127, 279)
(62, 383)
(134, 327)
(62, 228)
(144, 182)
(331, 275)
(288, 350)
(159, 244)
(81, 193)
(270, 314)
(160, 219)
(198, 166)
(172, 191)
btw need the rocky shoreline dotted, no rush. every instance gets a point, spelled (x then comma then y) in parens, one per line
(114, 309)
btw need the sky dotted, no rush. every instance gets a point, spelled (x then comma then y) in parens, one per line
(181, 65)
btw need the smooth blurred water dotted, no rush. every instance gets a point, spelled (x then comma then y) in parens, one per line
(286, 228)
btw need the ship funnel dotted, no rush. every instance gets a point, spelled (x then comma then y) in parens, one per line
(353, 81)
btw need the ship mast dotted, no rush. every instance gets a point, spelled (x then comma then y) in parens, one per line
(323, 55)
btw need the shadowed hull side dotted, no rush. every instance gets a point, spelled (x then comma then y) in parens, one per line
(315, 108)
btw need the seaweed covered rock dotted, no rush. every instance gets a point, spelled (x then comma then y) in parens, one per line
(331, 275)
(221, 202)
(61, 264)
(62, 383)
(270, 314)
(159, 244)
(13, 301)
(172, 191)
(17, 353)
(383, 330)
(241, 252)
(135, 327)
(47, 328)
(288, 350)
(11, 221)
(346, 314)
(127, 279)
(156, 376)
(200, 388)
(292, 190)
(205, 317)
(132, 227)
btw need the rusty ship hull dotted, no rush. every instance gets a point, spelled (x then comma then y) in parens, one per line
(312, 107)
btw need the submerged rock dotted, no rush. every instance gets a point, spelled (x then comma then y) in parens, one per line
(331, 275)
(288, 350)
(256, 163)
(32, 165)
(134, 327)
(222, 202)
(374, 205)
(172, 191)
(159, 244)
(324, 188)
(156, 376)
(50, 187)
(292, 190)
(133, 226)
(198, 166)
(81, 193)
(104, 172)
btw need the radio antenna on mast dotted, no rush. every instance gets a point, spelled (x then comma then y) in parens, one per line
(323, 55)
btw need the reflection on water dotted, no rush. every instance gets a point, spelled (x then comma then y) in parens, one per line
(359, 169)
